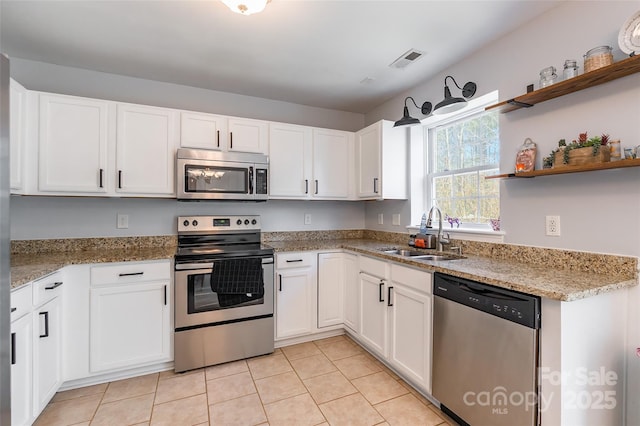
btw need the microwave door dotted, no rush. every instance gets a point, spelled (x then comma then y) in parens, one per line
(215, 179)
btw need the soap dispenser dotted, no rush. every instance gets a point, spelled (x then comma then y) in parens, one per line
(423, 224)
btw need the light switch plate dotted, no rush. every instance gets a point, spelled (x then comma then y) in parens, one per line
(395, 219)
(122, 221)
(307, 218)
(380, 218)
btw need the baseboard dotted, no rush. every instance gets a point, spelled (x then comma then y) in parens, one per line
(309, 337)
(116, 375)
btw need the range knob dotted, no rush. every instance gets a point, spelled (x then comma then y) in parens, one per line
(185, 223)
(194, 222)
(253, 222)
(239, 222)
(246, 221)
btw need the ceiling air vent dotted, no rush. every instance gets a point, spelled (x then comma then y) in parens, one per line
(407, 58)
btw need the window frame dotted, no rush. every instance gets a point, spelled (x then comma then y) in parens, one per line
(430, 125)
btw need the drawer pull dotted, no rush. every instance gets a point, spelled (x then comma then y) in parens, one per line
(381, 291)
(165, 295)
(46, 324)
(13, 348)
(280, 282)
(389, 296)
(13, 310)
(293, 260)
(54, 286)
(130, 274)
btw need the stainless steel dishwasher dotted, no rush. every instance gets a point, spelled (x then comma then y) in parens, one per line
(485, 353)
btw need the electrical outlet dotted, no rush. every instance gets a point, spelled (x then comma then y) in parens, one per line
(307, 218)
(122, 221)
(395, 219)
(380, 218)
(553, 226)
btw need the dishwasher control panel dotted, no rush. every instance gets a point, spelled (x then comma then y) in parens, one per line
(510, 305)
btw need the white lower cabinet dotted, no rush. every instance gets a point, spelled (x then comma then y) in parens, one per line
(351, 292)
(410, 324)
(395, 320)
(47, 339)
(331, 275)
(373, 305)
(21, 357)
(130, 315)
(295, 294)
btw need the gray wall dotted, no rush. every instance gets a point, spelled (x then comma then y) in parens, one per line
(598, 211)
(78, 217)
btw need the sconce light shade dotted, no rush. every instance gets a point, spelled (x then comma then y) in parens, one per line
(406, 119)
(450, 104)
(246, 7)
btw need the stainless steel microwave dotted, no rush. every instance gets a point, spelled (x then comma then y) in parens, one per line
(215, 175)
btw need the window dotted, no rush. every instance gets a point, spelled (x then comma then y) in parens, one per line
(461, 150)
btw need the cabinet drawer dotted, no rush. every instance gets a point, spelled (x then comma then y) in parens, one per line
(20, 302)
(414, 278)
(130, 272)
(47, 288)
(294, 260)
(377, 268)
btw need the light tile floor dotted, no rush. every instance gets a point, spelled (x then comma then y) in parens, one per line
(330, 381)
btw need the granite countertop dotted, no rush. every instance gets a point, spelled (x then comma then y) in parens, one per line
(31, 266)
(538, 280)
(544, 278)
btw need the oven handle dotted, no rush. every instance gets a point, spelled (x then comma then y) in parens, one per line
(194, 267)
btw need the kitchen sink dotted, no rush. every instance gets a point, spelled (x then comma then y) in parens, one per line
(414, 254)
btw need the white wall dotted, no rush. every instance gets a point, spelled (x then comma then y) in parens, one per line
(79, 217)
(598, 211)
(80, 82)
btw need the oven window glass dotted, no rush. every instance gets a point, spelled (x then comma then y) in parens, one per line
(208, 292)
(216, 179)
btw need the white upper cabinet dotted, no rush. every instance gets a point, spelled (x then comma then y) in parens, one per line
(17, 95)
(332, 160)
(72, 144)
(203, 131)
(381, 158)
(145, 150)
(310, 163)
(246, 135)
(290, 150)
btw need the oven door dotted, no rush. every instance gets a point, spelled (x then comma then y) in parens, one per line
(224, 290)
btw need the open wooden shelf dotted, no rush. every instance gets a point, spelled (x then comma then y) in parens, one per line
(635, 162)
(602, 75)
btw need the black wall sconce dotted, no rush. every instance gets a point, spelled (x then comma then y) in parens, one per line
(406, 119)
(450, 104)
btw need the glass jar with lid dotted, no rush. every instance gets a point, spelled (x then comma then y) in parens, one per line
(598, 57)
(548, 76)
(570, 69)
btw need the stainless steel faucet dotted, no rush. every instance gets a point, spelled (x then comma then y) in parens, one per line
(441, 239)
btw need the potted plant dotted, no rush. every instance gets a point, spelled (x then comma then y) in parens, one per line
(585, 150)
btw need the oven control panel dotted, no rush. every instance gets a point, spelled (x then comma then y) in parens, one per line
(218, 223)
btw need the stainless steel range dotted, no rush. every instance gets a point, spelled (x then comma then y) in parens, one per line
(223, 291)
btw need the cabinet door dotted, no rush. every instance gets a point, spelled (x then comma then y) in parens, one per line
(145, 150)
(47, 340)
(332, 160)
(72, 144)
(289, 161)
(331, 275)
(17, 95)
(373, 309)
(410, 345)
(130, 325)
(203, 131)
(247, 135)
(294, 299)
(351, 292)
(21, 370)
(368, 148)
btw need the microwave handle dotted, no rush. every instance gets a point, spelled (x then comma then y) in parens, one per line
(250, 180)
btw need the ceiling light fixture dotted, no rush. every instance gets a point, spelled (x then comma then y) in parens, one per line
(406, 119)
(246, 7)
(450, 104)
